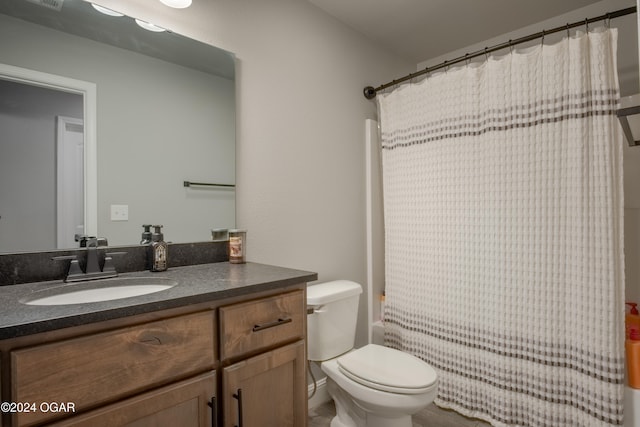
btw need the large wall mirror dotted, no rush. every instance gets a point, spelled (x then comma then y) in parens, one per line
(101, 124)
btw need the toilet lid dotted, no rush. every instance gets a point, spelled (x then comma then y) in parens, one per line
(387, 369)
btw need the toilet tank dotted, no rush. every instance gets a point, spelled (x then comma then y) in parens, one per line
(331, 329)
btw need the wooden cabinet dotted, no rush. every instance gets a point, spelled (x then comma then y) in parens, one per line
(267, 390)
(177, 367)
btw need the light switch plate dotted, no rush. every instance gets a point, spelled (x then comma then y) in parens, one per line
(119, 212)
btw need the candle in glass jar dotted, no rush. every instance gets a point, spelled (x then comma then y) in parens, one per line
(237, 246)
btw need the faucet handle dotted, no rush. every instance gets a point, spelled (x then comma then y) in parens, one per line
(82, 239)
(108, 266)
(89, 241)
(74, 266)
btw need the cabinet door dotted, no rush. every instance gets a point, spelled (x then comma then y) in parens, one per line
(189, 403)
(267, 390)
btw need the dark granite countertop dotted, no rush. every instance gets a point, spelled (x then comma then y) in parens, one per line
(197, 283)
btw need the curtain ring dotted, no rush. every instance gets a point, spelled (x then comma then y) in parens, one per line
(466, 59)
(542, 41)
(607, 21)
(586, 25)
(510, 47)
(445, 66)
(486, 55)
(568, 31)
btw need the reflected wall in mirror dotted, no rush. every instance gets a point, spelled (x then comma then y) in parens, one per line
(162, 117)
(42, 162)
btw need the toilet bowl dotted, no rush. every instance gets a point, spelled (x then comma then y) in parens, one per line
(373, 386)
(388, 386)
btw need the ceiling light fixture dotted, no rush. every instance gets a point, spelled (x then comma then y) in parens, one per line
(149, 26)
(178, 4)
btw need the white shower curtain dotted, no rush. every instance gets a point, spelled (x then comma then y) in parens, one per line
(503, 224)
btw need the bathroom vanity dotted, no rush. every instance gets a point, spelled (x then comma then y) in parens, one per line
(224, 346)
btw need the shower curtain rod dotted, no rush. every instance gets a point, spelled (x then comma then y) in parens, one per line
(370, 91)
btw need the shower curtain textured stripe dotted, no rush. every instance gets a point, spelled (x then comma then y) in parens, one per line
(503, 210)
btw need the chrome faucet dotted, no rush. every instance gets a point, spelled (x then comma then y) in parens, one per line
(92, 263)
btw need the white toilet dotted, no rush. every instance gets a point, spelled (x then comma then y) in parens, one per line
(372, 386)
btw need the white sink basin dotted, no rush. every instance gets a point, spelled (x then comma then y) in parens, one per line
(100, 290)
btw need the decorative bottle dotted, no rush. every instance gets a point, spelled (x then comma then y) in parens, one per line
(159, 250)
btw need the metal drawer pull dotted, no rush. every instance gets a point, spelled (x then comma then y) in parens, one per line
(238, 396)
(214, 411)
(278, 322)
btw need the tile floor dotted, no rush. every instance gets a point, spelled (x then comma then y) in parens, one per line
(431, 416)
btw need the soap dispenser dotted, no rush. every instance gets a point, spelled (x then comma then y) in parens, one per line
(159, 250)
(146, 234)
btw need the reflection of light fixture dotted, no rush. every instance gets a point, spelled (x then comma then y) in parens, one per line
(106, 11)
(629, 116)
(178, 4)
(149, 26)
(144, 24)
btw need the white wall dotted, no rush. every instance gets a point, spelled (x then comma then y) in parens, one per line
(300, 126)
(629, 84)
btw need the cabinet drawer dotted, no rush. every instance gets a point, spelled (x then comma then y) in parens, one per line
(92, 370)
(255, 325)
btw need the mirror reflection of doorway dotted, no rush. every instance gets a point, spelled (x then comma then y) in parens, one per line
(69, 180)
(31, 174)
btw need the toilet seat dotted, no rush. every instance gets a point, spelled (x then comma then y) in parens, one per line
(386, 369)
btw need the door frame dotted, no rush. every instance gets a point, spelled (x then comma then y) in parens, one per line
(88, 92)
